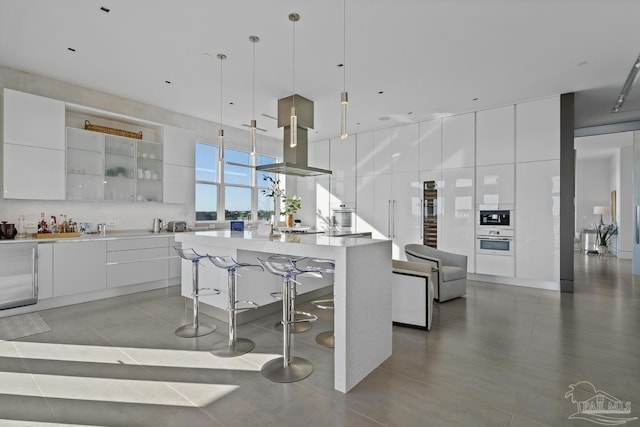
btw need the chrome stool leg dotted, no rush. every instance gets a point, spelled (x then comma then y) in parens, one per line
(234, 346)
(287, 368)
(195, 329)
(325, 339)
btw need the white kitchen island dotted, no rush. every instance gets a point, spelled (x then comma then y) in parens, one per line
(362, 289)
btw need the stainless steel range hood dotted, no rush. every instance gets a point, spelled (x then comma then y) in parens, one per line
(295, 159)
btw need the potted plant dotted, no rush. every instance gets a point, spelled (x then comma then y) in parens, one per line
(275, 192)
(292, 204)
(603, 236)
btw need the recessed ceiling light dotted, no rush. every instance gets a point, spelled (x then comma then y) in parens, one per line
(105, 9)
(380, 92)
(71, 49)
(581, 63)
(167, 82)
(231, 103)
(340, 65)
(475, 99)
(410, 112)
(358, 123)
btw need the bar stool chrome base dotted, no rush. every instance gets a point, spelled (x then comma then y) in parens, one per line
(299, 369)
(302, 323)
(326, 339)
(191, 331)
(238, 348)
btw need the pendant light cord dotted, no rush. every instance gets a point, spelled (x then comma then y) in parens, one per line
(294, 63)
(221, 92)
(253, 107)
(344, 45)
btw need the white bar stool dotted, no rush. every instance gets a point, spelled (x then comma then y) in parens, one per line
(234, 346)
(195, 329)
(287, 369)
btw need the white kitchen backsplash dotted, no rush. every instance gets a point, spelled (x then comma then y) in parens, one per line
(126, 216)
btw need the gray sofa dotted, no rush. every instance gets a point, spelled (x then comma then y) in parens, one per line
(451, 271)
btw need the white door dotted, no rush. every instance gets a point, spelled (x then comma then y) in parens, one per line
(406, 211)
(458, 214)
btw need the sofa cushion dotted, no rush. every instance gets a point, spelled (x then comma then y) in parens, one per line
(450, 273)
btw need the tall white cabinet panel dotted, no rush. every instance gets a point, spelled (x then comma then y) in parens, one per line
(495, 186)
(382, 207)
(179, 165)
(178, 185)
(382, 151)
(458, 141)
(457, 214)
(343, 192)
(495, 136)
(33, 120)
(406, 211)
(364, 154)
(431, 145)
(33, 173)
(306, 190)
(405, 148)
(538, 130)
(323, 201)
(318, 153)
(179, 146)
(343, 157)
(537, 211)
(364, 218)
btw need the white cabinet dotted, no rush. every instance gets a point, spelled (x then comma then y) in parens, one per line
(79, 267)
(33, 173)
(33, 120)
(382, 151)
(457, 214)
(135, 261)
(45, 270)
(323, 201)
(178, 184)
(431, 145)
(406, 211)
(343, 157)
(364, 154)
(34, 147)
(538, 130)
(175, 262)
(364, 205)
(537, 241)
(318, 153)
(179, 146)
(495, 188)
(405, 148)
(149, 172)
(495, 265)
(458, 141)
(84, 165)
(495, 136)
(343, 192)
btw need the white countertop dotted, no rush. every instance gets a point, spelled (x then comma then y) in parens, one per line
(111, 235)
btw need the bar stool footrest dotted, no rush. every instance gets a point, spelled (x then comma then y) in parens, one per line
(306, 317)
(208, 292)
(254, 305)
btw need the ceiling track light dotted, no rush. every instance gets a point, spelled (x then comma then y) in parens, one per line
(221, 57)
(628, 84)
(344, 96)
(293, 133)
(254, 123)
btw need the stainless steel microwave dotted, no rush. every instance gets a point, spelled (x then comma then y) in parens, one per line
(496, 218)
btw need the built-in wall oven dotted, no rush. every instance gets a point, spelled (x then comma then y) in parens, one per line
(498, 242)
(495, 233)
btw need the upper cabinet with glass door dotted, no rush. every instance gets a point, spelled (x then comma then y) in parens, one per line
(84, 165)
(149, 171)
(119, 166)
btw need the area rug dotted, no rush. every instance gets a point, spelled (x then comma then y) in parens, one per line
(21, 326)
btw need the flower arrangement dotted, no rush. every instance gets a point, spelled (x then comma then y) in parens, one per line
(274, 189)
(604, 234)
(292, 204)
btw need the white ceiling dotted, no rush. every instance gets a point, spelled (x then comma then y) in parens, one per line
(428, 57)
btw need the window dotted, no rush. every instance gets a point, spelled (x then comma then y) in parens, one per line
(206, 182)
(239, 193)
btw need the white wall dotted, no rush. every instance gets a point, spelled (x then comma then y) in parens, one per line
(625, 203)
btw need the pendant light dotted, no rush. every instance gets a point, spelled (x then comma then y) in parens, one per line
(221, 57)
(344, 96)
(254, 124)
(293, 139)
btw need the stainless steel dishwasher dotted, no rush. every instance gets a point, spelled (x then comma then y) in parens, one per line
(19, 274)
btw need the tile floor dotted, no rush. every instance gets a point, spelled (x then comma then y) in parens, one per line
(502, 356)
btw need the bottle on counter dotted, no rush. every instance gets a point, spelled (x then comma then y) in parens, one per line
(22, 232)
(53, 225)
(43, 227)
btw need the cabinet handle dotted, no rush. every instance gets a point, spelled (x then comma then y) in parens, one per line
(34, 272)
(389, 218)
(638, 225)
